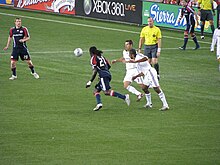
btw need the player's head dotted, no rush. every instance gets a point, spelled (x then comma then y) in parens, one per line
(128, 45)
(150, 22)
(98, 52)
(183, 3)
(132, 53)
(18, 22)
(92, 50)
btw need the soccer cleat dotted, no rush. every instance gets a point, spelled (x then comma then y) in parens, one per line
(164, 108)
(35, 75)
(182, 48)
(127, 99)
(148, 106)
(197, 47)
(13, 77)
(202, 37)
(139, 97)
(98, 107)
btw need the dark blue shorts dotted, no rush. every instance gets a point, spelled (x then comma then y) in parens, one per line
(103, 84)
(23, 53)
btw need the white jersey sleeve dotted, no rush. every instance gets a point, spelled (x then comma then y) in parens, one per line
(127, 58)
(142, 66)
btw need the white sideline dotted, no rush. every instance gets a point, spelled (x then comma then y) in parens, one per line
(90, 26)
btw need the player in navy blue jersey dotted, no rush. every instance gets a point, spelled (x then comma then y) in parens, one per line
(189, 14)
(101, 66)
(20, 36)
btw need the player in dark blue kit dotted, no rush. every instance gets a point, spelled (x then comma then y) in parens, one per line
(101, 66)
(189, 14)
(20, 36)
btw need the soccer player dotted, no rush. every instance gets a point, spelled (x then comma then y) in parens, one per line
(101, 66)
(150, 79)
(205, 11)
(20, 36)
(151, 36)
(189, 14)
(131, 70)
(216, 40)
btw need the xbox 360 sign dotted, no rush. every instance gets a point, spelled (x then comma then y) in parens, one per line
(117, 10)
(87, 6)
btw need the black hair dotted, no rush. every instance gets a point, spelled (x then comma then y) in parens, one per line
(98, 52)
(92, 49)
(133, 51)
(129, 41)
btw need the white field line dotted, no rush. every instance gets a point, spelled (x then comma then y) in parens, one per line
(86, 25)
(86, 51)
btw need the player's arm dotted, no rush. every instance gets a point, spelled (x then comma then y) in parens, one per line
(141, 42)
(118, 60)
(94, 73)
(181, 16)
(24, 39)
(8, 43)
(140, 60)
(139, 75)
(159, 47)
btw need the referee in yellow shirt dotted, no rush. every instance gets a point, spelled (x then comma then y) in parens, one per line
(151, 38)
(205, 11)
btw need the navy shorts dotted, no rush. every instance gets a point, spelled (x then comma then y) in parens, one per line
(206, 15)
(190, 28)
(103, 84)
(150, 51)
(23, 53)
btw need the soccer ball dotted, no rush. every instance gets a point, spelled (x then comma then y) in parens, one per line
(78, 52)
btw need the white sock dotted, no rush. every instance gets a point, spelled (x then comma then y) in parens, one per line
(219, 67)
(133, 90)
(148, 98)
(163, 99)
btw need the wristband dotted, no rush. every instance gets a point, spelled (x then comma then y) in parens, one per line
(158, 50)
(139, 48)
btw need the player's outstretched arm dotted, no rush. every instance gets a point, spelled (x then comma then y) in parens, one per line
(8, 43)
(94, 73)
(118, 60)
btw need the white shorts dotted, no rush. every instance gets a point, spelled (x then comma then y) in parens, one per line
(150, 79)
(130, 73)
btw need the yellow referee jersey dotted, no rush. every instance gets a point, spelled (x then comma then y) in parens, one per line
(205, 4)
(151, 35)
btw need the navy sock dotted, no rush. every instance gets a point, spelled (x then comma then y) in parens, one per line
(13, 71)
(31, 68)
(202, 29)
(156, 66)
(195, 40)
(185, 42)
(98, 98)
(119, 95)
(213, 29)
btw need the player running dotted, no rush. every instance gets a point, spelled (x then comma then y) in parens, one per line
(20, 36)
(150, 78)
(101, 66)
(189, 14)
(131, 70)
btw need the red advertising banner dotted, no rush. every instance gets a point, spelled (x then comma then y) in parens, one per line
(56, 6)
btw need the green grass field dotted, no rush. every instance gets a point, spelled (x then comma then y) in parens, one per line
(50, 121)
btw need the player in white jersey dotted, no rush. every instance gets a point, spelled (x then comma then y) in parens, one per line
(150, 78)
(216, 40)
(131, 70)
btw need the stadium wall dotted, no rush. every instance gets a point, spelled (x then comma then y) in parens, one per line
(124, 11)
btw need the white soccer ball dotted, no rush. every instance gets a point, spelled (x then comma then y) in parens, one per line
(78, 52)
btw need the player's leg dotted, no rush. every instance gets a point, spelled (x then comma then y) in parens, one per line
(202, 24)
(26, 56)
(105, 84)
(155, 63)
(14, 59)
(185, 39)
(97, 95)
(127, 82)
(195, 40)
(145, 88)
